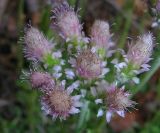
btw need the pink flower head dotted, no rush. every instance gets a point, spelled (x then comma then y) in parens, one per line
(67, 22)
(56, 3)
(88, 64)
(59, 103)
(158, 5)
(36, 45)
(140, 53)
(116, 101)
(42, 81)
(100, 34)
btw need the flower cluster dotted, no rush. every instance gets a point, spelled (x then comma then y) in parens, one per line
(116, 100)
(81, 64)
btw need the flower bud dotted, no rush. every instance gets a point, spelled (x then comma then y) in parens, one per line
(88, 64)
(158, 6)
(36, 45)
(67, 22)
(100, 34)
(42, 81)
(140, 53)
(56, 3)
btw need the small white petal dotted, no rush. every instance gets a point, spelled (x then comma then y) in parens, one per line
(121, 51)
(145, 66)
(104, 63)
(86, 40)
(68, 39)
(62, 62)
(54, 117)
(127, 94)
(93, 91)
(126, 60)
(45, 66)
(72, 61)
(83, 92)
(74, 110)
(122, 88)
(47, 111)
(72, 87)
(57, 75)
(70, 90)
(57, 68)
(85, 82)
(63, 83)
(110, 53)
(143, 70)
(108, 116)
(98, 101)
(57, 54)
(149, 59)
(77, 104)
(121, 113)
(42, 108)
(93, 49)
(135, 71)
(114, 61)
(100, 113)
(121, 65)
(76, 98)
(154, 24)
(69, 73)
(76, 84)
(105, 71)
(136, 80)
(102, 86)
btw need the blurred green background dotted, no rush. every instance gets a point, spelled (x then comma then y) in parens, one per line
(19, 106)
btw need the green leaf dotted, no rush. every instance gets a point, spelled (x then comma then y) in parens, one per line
(84, 117)
(50, 61)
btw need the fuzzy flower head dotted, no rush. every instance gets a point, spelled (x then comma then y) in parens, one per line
(42, 81)
(116, 101)
(88, 64)
(59, 103)
(55, 3)
(158, 6)
(67, 22)
(36, 45)
(100, 34)
(140, 53)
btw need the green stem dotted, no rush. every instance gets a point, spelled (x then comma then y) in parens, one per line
(20, 25)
